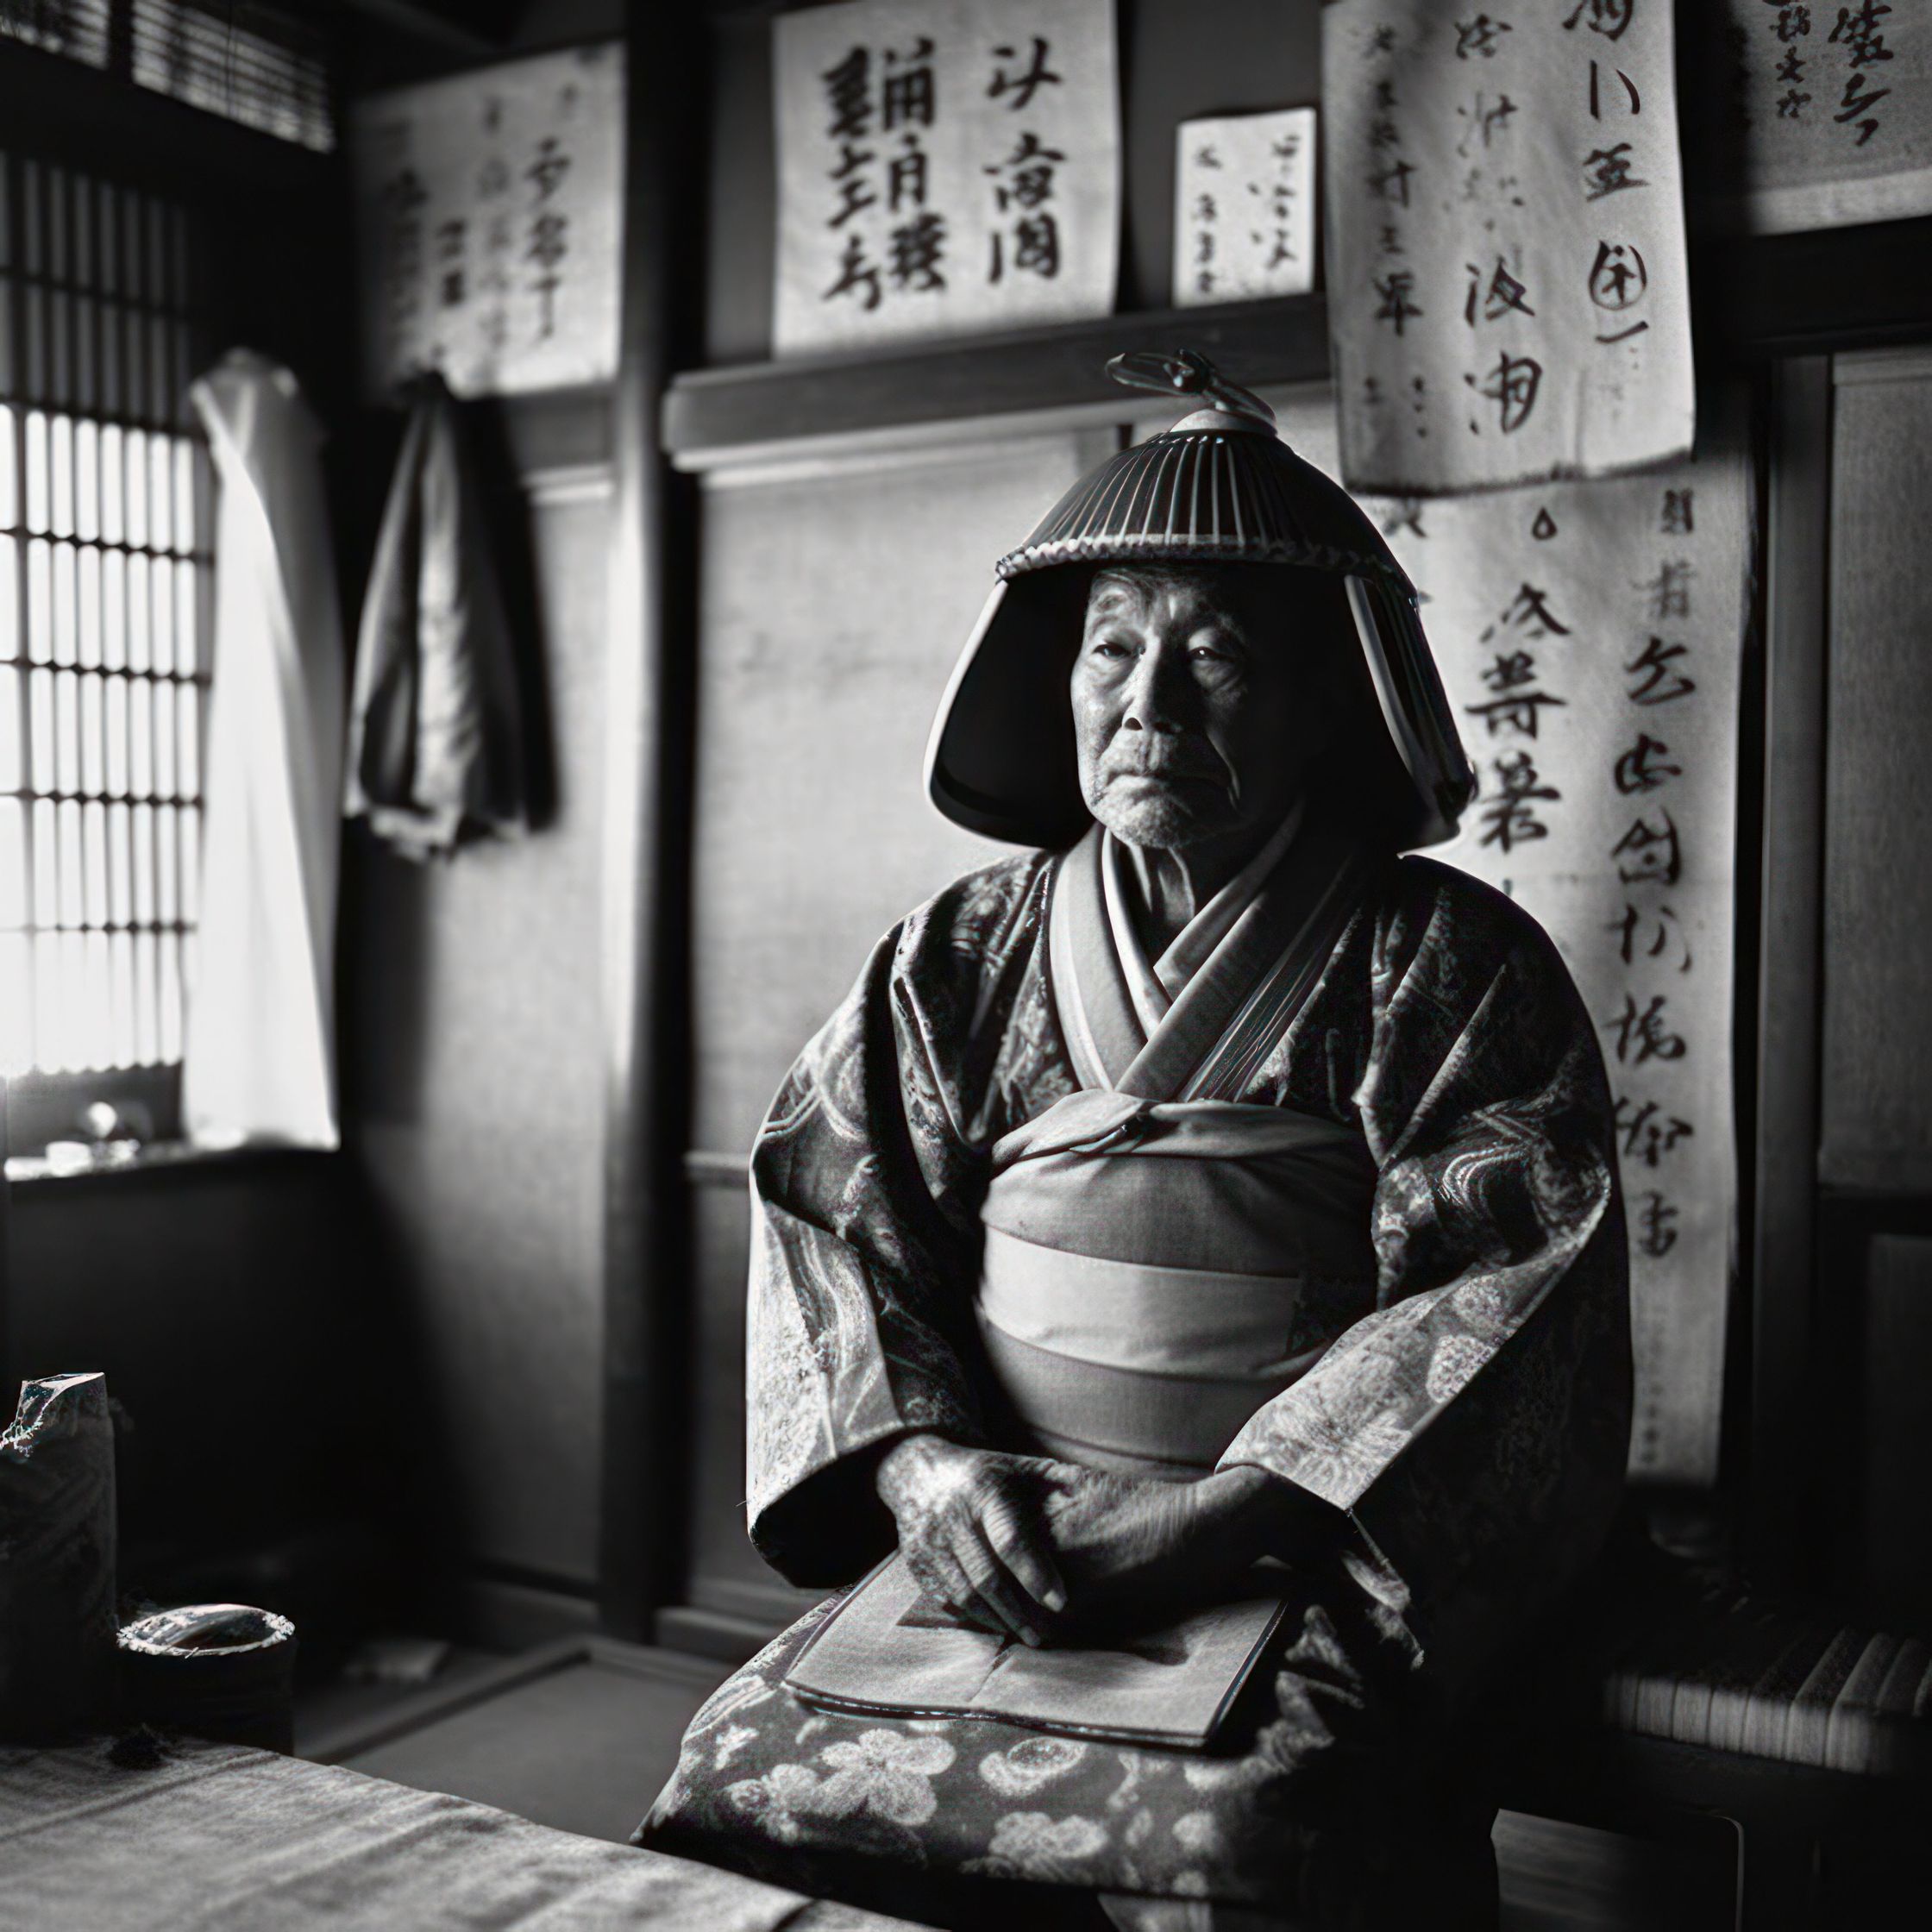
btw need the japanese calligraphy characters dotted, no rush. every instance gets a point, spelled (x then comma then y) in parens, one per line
(1508, 297)
(1834, 98)
(943, 165)
(489, 210)
(1244, 207)
(1590, 639)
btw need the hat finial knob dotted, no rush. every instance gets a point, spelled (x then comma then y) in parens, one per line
(1188, 372)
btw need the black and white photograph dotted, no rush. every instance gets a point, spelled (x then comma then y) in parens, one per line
(964, 965)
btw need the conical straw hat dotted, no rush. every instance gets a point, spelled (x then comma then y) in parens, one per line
(1219, 488)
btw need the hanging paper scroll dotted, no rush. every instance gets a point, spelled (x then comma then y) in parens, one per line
(1244, 207)
(1506, 288)
(943, 165)
(1836, 106)
(1590, 639)
(489, 213)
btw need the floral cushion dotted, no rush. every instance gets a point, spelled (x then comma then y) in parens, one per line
(1318, 1771)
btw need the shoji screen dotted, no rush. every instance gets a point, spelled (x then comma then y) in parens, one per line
(104, 493)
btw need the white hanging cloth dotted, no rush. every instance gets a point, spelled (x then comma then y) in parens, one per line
(259, 1056)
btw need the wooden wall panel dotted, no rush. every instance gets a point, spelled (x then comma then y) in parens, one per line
(1184, 59)
(834, 602)
(476, 1061)
(233, 1308)
(1876, 1128)
(1780, 1190)
(740, 232)
(726, 1575)
(1896, 1423)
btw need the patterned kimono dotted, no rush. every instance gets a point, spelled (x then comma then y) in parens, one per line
(1392, 1054)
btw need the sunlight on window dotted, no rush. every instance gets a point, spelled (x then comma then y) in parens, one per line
(271, 73)
(104, 603)
(76, 28)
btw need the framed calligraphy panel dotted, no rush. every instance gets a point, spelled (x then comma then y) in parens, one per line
(489, 215)
(1832, 105)
(1244, 207)
(944, 167)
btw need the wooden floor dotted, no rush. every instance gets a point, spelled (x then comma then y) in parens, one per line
(1583, 1880)
(582, 1735)
(579, 1733)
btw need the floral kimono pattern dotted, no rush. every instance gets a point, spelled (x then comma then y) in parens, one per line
(1470, 1423)
(917, 1815)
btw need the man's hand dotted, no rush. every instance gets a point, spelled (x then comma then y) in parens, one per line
(971, 1531)
(1124, 1540)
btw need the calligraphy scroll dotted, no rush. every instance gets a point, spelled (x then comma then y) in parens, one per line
(1590, 636)
(1835, 106)
(489, 212)
(1244, 207)
(1507, 297)
(943, 165)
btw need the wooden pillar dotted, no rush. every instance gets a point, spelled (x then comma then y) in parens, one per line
(1784, 1231)
(9, 1368)
(647, 818)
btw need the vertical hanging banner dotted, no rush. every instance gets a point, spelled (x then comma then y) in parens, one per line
(489, 213)
(1590, 639)
(1508, 297)
(943, 165)
(1835, 107)
(1244, 207)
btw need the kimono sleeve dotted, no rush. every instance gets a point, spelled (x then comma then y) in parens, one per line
(1475, 1427)
(866, 1191)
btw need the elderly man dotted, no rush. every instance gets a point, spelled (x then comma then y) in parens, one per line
(1192, 1256)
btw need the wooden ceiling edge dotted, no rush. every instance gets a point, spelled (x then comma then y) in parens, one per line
(71, 115)
(432, 24)
(723, 413)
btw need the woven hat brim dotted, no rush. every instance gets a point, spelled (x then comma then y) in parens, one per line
(1000, 760)
(1208, 496)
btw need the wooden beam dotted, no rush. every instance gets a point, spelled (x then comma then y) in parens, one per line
(58, 111)
(1784, 1231)
(1828, 289)
(1760, 299)
(1259, 343)
(648, 697)
(448, 24)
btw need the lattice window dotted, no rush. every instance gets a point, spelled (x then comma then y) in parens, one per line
(80, 29)
(266, 67)
(104, 609)
(263, 66)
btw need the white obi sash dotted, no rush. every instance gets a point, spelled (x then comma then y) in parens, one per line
(1161, 1260)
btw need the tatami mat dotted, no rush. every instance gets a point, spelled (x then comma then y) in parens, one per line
(584, 1748)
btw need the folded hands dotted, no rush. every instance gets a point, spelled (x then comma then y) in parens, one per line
(1025, 1545)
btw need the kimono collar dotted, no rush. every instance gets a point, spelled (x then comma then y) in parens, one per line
(1265, 941)
(1154, 985)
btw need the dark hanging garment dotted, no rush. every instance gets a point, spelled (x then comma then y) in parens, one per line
(436, 733)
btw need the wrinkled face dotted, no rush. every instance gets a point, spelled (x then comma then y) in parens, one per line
(1189, 720)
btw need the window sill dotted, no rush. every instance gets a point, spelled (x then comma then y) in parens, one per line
(158, 1157)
